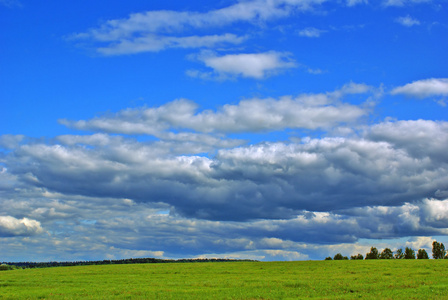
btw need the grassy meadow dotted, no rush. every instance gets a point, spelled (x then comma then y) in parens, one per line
(373, 279)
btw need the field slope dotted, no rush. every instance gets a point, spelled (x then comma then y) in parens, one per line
(384, 279)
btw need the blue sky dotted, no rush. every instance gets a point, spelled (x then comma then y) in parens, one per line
(263, 129)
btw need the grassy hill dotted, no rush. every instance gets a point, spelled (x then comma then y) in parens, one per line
(390, 279)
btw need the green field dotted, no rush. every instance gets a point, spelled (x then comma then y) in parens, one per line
(384, 279)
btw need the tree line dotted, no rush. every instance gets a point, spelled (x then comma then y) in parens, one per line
(31, 265)
(438, 252)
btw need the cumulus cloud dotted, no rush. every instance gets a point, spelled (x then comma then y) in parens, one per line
(304, 198)
(158, 30)
(435, 213)
(258, 192)
(402, 134)
(310, 111)
(249, 65)
(424, 88)
(391, 164)
(387, 164)
(407, 21)
(10, 226)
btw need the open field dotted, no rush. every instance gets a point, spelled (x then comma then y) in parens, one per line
(390, 279)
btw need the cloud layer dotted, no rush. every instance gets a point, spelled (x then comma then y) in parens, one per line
(265, 200)
(388, 165)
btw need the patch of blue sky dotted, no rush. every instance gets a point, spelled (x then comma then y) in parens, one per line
(88, 222)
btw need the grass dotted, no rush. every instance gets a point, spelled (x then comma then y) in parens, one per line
(382, 279)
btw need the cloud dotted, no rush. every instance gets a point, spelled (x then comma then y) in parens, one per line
(281, 200)
(315, 71)
(385, 166)
(153, 43)
(404, 2)
(424, 88)
(139, 229)
(159, 30)
(10, 141)
(302, 198)
(10, 226)
(310, 111)
(407, 21)
(311, 32)
(356, 2)
(402, 135)
(248, 65)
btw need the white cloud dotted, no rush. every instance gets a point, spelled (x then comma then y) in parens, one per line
(166, 21)
(154, 43)
(249, 65)
(311, 111)
(10, 226)
(424, 88)
(435, 212)
(407, 21)
(431, 135)
(311, 32)
(158, 30)
(285, 255)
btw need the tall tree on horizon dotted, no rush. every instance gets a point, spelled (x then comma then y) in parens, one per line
(438, 250)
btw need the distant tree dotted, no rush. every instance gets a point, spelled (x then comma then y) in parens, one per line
(386, 254)
(399, 254)
(422, 254)
(357, 257)
(339, 256)
(5, 267)
(409, 253)
(438, 250)
(373, 254)
(328, 258)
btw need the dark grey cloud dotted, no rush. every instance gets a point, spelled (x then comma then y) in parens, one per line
(386, 166)
(91, 227)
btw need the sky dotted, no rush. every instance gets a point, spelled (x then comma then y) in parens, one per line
(246, 129)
